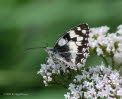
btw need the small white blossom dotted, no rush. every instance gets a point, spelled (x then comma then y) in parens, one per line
(67, 96)
(99, 51)
(119, 92)
(118, 58)
(119, 31)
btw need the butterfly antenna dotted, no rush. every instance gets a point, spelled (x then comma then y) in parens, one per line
(36, 48)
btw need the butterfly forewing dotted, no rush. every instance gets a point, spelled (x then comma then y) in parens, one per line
(72, 47)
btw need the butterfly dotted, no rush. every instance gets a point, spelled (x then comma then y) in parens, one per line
(72, 48)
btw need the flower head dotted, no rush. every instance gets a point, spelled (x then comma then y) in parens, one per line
(96, 83)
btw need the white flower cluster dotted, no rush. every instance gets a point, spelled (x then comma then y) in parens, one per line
(47, 70)
(94, 83)
(119, 31)
(106, 43)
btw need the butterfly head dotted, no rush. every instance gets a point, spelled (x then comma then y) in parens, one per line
(50, 51)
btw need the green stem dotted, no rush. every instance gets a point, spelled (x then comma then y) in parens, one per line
(105, 60)
(112, 59)
(56, 82)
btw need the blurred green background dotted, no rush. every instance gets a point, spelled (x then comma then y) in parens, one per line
(36, 23)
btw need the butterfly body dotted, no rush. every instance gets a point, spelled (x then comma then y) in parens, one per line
(72, 48)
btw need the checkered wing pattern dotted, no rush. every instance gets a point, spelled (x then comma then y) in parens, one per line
(72, 48)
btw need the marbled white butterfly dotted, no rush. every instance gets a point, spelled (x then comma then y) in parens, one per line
(72, 48)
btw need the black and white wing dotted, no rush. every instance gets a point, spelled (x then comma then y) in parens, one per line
(72, 47)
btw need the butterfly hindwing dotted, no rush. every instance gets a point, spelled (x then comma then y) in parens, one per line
(72, 47)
